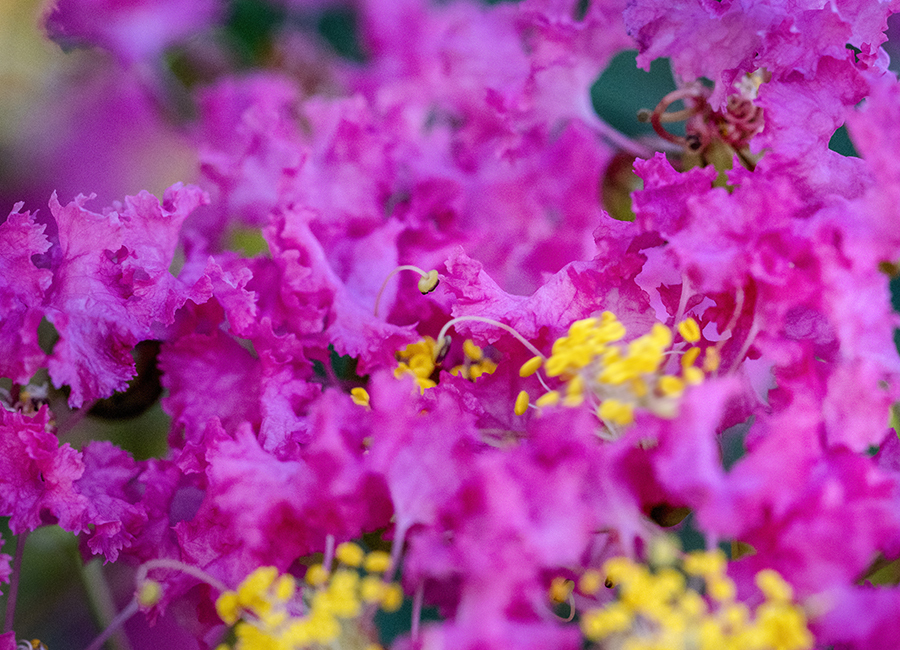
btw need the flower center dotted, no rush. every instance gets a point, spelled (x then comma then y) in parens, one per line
(593, 366)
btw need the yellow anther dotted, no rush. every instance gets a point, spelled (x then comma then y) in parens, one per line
(350, 554)
(316, 575)
(664, 551)
(600, 623)
(557, 364)
(149, 593)
(560, 589)
(521, 403)
(689, 330)
(670, 386)
(422, 365)
(377, 562)
(616, 412)
(228, 608)
(424, 384)
(548, 399)
(720, 588)
(692, 604)
(689, 357)
(580, 328)
(711, 360)
(486, 367)
(661, 335)
(371, 589)
(735, 616)
(530, 367)
(285, 587)
(660, 610)
(322, 628)
(692, 376)
(620, 569)
(639, 387)
(705, 563)
(360, 396)
(574, 392)
(784, 626)
(340, 598)
(590, 582)
(472, 351)
(428, 282)
(253, 591)
(774, 587)
(392, 599)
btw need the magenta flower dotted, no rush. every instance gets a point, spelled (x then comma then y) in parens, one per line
(39, 475)
(22, 288)
(134, 30)
(112, 287)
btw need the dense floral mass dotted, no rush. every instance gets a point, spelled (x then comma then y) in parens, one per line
(429, 330)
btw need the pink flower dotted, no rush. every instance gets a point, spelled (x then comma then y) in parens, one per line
(134, 30)
(38, 476)
(22, 288)
(112, 287)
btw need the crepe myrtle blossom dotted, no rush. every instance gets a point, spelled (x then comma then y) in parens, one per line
(445, 374)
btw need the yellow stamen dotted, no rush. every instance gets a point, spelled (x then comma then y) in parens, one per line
(548, 399)
(350, 554)
(377, 562)
(316, 575)
(711, 360)
(612, 410)
(472, 351)
(561, 589)
(521, 403)
(690, 356)
(689, 330)
(671, 386)
(360, 396)
(530, 367)
(590, 582)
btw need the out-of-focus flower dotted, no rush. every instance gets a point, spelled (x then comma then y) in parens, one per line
(133, 30)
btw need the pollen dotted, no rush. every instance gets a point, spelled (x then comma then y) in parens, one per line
(689, 330)
(472, 351)
(360, 396)
(590, 582)
(711, 360)
(530, 367)
(417, 360)
(561, 589)
(548, 399)
(690, 603)
(377, 561)
(269, 610)
(350, 554)
(594, 365)
(521, 403)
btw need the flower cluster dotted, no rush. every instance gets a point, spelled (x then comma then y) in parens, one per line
(420, 297)
(271, 613)
(662, 609)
